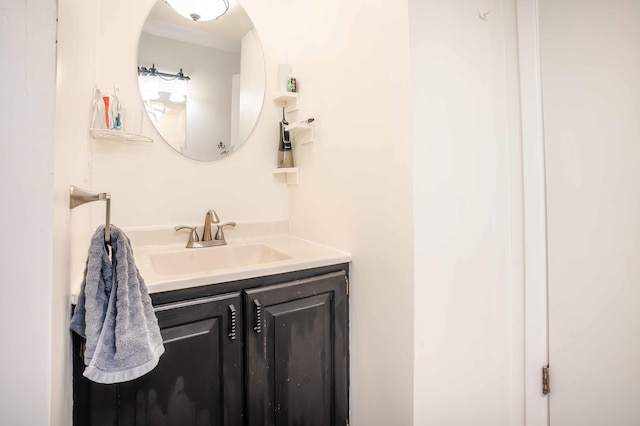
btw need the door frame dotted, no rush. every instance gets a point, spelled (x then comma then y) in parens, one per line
(535, 214)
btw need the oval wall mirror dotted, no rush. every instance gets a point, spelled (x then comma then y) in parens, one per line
(202, 83)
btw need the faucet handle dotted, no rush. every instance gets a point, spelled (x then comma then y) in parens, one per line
(193, 236)
(220, 233)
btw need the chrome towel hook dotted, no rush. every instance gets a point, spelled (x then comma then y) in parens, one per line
(79, 196)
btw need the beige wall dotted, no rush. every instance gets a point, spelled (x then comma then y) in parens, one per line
(351, 61)
(252, 79)
(150, 183)
(468, 217)
(75, 79)
(356, 191)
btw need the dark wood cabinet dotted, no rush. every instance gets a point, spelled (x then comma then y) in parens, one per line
(296, 340)
(253, 352)
(198, 380)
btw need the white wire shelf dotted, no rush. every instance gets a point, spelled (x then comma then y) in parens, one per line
(118, 135)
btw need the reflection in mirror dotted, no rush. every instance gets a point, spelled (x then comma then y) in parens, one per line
(165, 100)
(222, 65)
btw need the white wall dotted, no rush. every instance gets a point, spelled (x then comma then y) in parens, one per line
(351, 61)
(467, 215)
(27, 49)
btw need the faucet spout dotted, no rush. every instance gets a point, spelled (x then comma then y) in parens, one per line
(210, 217)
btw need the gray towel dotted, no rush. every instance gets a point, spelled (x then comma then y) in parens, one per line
(115, 315)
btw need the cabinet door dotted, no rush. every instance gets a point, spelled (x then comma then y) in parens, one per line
(296, 346)
(198, 380)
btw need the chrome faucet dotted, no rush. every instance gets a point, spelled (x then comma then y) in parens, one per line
(207, 240)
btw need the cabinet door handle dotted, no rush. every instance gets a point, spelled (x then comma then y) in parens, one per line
(232, 322)
(258, 309)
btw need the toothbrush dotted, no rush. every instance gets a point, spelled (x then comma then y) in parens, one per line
(96, 105)
(117, 122)
(105, 99)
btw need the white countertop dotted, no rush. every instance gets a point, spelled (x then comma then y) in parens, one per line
(303, 254)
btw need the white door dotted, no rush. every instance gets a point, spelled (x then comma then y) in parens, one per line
(590, 63)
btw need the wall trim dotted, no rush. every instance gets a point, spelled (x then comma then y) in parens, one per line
(535, 218)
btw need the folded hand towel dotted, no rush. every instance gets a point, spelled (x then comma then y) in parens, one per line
(115, 315)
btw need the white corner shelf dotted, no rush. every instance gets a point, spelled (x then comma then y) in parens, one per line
(302, 132)
(290, 100)
(118, 135)
(293, 177)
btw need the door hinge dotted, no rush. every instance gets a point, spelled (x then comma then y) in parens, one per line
(546, 390)
(346, 283)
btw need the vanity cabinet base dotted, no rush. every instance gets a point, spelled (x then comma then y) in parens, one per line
(198, 380)
(263, 352)
(296, 339)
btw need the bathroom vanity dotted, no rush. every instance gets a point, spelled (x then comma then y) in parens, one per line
(267, 348)
(255, 332)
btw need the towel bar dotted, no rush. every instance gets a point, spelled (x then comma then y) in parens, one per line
(80, 196)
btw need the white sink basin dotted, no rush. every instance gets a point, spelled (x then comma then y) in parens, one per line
(193, 260)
